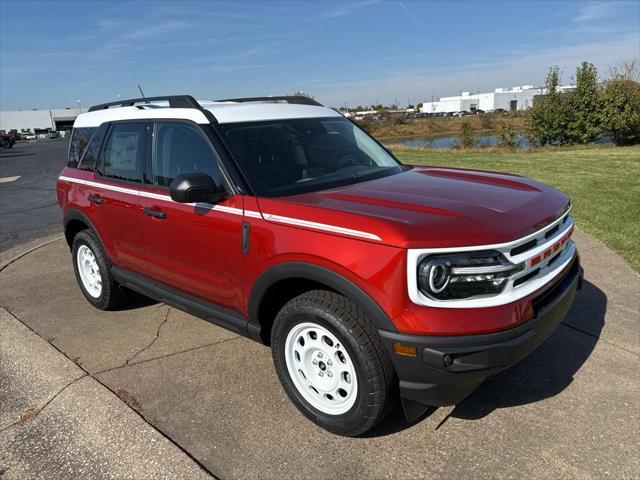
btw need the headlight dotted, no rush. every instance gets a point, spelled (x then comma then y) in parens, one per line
(464, 275)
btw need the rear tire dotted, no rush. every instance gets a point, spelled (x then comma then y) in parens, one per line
(93, 272)
(332, 363)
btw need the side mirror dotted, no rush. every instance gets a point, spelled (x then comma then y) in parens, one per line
(196, 187)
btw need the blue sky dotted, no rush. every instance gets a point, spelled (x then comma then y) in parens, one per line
(354, 52)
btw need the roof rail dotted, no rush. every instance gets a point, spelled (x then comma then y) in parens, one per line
(175, 101)
(294, 99)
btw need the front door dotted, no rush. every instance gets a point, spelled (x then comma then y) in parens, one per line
(193, 248)
(114, 192)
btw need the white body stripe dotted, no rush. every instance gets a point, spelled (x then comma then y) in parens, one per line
(231, 210)
(320, 226)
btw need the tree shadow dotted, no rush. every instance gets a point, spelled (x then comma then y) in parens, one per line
(543, 374)
(15, 154)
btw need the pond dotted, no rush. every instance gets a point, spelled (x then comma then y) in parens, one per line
(451, 141)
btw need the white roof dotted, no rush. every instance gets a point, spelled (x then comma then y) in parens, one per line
(225, 112)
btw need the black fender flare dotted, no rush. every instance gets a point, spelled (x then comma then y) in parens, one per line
(74, 214)
(322, 275)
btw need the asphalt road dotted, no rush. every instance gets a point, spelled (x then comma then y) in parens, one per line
(28, 207)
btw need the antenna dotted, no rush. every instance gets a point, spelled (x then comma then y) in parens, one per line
(140, 88)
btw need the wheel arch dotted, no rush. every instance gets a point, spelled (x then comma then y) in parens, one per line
(74, 222)
(281, 283)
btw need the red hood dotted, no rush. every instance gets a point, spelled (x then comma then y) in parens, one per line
(430, 207)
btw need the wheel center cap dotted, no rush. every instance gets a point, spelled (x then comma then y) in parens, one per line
(322, 366)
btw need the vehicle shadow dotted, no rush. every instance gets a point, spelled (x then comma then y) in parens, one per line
(543, 374)
(133, 300)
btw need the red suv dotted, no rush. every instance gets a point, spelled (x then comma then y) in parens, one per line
(281, 220)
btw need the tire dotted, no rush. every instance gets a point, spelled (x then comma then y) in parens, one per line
(100, 289)
(352, 352)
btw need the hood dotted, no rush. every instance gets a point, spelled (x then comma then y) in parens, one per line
(431, 207)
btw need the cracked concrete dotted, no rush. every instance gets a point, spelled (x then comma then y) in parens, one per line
(569, 410)
(57, 422)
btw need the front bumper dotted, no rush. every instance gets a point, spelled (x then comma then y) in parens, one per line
(447, 369)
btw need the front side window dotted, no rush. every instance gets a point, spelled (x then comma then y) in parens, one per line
(126, 151)
(286, 157)
(79, 140)
(181, 148)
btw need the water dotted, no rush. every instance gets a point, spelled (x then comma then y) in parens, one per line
(481, 141)
(452, 141)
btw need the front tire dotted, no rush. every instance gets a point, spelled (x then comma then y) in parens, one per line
(332, 364)
(92, 271)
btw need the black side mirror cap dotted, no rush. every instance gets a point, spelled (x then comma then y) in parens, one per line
(196, 187)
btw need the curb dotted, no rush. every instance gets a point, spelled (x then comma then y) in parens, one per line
(5, 263)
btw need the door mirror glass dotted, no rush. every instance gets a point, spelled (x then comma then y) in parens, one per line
(196, 187)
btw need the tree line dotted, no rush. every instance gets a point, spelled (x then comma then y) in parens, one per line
(589, 113)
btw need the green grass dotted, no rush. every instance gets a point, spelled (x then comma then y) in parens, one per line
(602, 181)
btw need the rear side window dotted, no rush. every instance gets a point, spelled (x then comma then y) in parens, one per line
(90, 156)
(181, 148)
(79, 140)
(126, 151)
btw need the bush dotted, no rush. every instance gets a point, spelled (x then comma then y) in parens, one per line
(467, 139)
(621, 110)
(506, 137)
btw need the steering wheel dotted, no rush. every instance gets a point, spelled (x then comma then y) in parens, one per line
(349, 160)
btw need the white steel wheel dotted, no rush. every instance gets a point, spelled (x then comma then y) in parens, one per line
(321, 368)
(89, 271)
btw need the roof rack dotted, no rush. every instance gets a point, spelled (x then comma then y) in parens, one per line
(175, 101)
(294, 99)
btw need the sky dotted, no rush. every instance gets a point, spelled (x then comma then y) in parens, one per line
(53, 54)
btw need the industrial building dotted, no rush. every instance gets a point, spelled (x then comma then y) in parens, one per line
(516, 98)
(38, 121)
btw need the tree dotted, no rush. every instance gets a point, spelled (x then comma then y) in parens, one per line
(585, 124)
(547, 120)
(621, 110)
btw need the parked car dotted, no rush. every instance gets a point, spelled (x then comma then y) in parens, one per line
(283, 221)
(7, 139)
(53, 135)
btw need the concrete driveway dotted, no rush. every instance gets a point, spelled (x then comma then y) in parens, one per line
(569, 410)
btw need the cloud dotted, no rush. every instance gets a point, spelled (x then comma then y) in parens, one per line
(599, 10)
(346, 8)
(508, 69)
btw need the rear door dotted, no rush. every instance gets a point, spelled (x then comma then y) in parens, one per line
(119, 177)
(193, 248)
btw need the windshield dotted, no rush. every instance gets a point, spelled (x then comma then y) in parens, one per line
(285, 157)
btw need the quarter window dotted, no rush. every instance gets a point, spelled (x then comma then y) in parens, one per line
(126, 151)
(90, 155)
(181, 148)
(79, 140)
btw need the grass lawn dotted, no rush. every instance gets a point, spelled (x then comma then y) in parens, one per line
(602, 181)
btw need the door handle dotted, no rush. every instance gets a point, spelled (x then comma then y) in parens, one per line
(97, 199)
(152, 212)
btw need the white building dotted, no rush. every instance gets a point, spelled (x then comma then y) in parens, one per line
(516, 98)
(37, 121)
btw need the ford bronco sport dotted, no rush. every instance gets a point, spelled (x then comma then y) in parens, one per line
(281, 220)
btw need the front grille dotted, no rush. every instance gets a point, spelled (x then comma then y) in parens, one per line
(528, 276)
(524, 247)
(550, 295)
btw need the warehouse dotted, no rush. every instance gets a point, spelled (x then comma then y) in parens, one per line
(514, 99)
(38, 121)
